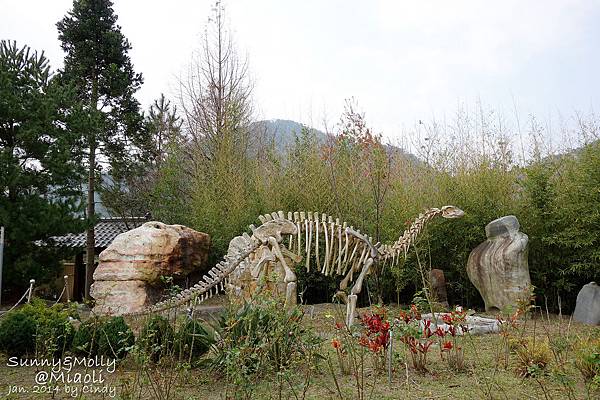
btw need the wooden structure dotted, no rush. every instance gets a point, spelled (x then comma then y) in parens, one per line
(105, 231)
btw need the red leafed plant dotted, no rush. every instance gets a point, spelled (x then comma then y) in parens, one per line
(376, 332)
(415, 336)
(456, 323)
(376, 335)
(509, 325)
(418, 336)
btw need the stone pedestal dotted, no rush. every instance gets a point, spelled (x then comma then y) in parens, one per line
(498, 267)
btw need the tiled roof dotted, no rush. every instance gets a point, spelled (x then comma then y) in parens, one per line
(105, 232)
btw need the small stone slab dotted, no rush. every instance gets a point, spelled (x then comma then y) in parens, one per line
(587, 309)
(438, 287)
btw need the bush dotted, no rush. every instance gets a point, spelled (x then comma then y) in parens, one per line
(17, 334)
(532, 357)
(156, 338)
(51, 335)
(115, 338)
(588, 359)
(110, 337)
(85, 340)
(192, 341)
(261, 337)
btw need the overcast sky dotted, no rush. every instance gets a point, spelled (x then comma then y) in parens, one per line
(402, 60)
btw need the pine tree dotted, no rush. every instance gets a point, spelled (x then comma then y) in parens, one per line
(134, 194)
(164, 127)
(40, 161)
(98, 64)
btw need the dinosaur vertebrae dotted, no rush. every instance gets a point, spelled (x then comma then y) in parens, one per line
(402, 245)
(344, 245)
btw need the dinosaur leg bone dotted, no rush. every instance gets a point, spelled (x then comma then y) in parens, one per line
(359, 281)
(290, 294)
(346, 280)
(258, 267)
(340, 294)
(294, 257)
(350, 309)
(289, 274)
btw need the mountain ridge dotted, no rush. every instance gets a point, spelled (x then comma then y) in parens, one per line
(283, 132)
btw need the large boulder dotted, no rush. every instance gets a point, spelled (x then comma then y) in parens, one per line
(498, 267)
(587, 309)
(130, 268)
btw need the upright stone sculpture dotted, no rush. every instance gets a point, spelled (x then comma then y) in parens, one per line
(129, 270)
(498, 267)
(587, 309)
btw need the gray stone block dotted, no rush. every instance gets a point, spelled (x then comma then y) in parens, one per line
(508, 225)
(587, 309)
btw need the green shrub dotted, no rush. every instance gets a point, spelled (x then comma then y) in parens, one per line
(52, 331)
(115, 338)
(261, 337)
(533, 356)
(85, 340)
(192, 341)
(109, 337)
(588, 359)
(156, 338)
(17, 334)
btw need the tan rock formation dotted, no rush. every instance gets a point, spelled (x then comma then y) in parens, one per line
(131, 267)
(498, 267)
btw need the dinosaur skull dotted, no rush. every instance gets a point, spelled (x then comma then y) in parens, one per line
(276, 229)
(452, 212)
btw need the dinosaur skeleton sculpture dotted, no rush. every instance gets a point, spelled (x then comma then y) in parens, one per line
(346, 252)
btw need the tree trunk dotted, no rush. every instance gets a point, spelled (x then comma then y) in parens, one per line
(91, 209)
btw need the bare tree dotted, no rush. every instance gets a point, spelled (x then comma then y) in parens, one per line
(216, 95)
(220, 148)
